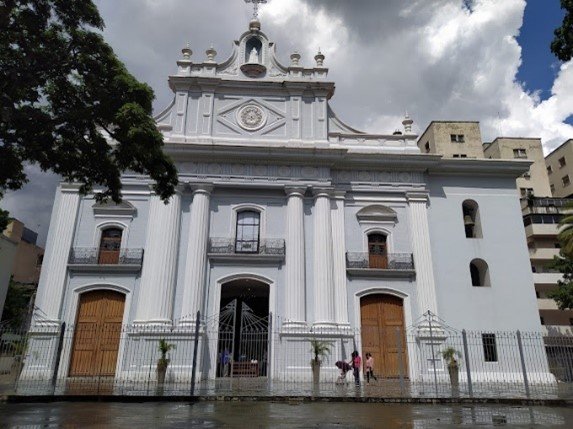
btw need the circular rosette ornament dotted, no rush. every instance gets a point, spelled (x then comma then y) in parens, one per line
(251, 117)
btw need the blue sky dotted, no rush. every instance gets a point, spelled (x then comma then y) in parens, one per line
(539, 66)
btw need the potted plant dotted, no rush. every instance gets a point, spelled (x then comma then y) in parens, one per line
(449, 354)
(163, 363)
(319, 350)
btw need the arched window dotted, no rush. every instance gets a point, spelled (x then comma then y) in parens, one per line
(471, 218)
(377, 251)
(248, 231)
(479, 272)
(109, 246)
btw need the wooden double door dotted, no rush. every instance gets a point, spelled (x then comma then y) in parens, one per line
(97, 334)
(383, 334)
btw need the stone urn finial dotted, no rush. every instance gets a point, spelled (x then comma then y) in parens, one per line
(211, 54)
(319, 58)
(294, 59)
(407, 122)
(187, 52)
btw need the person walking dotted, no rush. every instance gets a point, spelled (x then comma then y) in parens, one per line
(356, 365)
(369, 368)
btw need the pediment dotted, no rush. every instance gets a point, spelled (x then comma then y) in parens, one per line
(111, 209)
(377, 212)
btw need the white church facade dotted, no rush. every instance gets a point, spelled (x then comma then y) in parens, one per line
(284, 209)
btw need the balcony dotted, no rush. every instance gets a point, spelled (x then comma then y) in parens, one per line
(94, 259)
(264, 250)
(546, 304)
(543, 253)
(546, 278)
(394, 265)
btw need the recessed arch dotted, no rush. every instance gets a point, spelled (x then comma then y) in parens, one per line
(471, 218)
(254, 43)
(479, 273)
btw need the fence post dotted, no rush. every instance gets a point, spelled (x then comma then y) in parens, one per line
(433, 353)
(467, 359)
(195, 351)
(269, 350)
(58, 354)
(400, 360)
(522, 359)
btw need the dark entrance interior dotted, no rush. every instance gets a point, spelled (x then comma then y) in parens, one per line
(243, 329)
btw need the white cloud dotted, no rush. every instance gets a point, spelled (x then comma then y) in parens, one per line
(432, 58)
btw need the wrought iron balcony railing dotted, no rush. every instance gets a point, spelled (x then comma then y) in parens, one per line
(229, 246)
(95, 256)
(391, 261)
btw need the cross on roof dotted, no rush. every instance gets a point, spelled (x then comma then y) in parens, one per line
(256, 6)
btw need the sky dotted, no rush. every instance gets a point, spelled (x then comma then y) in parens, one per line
(484, 60)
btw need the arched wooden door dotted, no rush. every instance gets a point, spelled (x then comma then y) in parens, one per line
(97, 334)
(383, 334)
(377, 251)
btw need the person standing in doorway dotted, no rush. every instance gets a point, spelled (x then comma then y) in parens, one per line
(369, 368)
(356, 365)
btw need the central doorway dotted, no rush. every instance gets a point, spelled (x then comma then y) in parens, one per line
(383, 334)
(243, 329)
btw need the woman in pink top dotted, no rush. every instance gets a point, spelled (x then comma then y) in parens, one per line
(356, 364)
(369, 364)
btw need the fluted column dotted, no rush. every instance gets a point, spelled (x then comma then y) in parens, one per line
(324, 312)
(339, 261)
(155, 301)
(196, 261)
(420, 236)
(295, 290)
(53, 276)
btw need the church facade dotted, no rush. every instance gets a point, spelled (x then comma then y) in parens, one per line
(284, 209)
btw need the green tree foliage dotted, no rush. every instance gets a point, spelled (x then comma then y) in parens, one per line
(562, 44)
(563, 295)
(16, 305)
(69, 105)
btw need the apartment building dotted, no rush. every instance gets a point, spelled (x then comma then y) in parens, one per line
(559, 165)
(452, 139)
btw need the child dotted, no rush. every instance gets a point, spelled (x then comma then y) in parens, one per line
(344, 368)
(369, 368)
(356, 364)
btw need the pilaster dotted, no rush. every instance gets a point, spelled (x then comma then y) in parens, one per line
(339, 260)
(155, 302)
(420, 236)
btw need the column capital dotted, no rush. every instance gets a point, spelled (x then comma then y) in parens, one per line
(201, 188)
(323, 191)
(295, 190)
(417, 197)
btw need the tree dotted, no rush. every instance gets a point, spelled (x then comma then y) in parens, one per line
(562, 44)
(69, 105)
(16, 305)
(563, 295)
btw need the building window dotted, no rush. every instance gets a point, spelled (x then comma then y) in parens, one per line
(519, 153)
(471, 218)
(248, 231)
(109, 246)
(460, 155)
(526, 192)
(552, 188)
(489, 347)
(542, 320)
(549, 169)
(377, 251)
(562, 162)
(457, 138)
(479, 272)
(565, 180)
(427, 146)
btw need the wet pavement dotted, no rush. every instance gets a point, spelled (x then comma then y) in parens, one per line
(278, 415)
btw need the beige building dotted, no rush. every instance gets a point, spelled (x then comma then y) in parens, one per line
(559, 164)
(541, 213)
(536, 181)
(453, 139)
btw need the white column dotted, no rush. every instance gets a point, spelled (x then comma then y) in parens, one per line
(54, 270)
(339, 259)
(324, 312)
(295, 290)
(420, 236)
(155, 301)
(196, 260)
